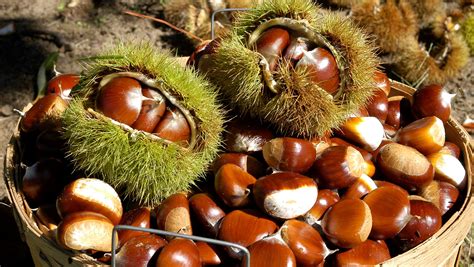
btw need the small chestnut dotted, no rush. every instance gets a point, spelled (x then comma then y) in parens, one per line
(322, 68)
(139, 250)
(289, 154)
(270, 252)
(426, 135)
(399, 112)
(451, 148)
(295, 50)
(432, 100)
(62, 84)
(139, 217)
(367, 132)
(152, 110)
(233, 185)
(326, 198)
(173, 126)
(382, 82)
(378, 104)
(173, 215)
(206, 213)
(442, 194)
(179, 252)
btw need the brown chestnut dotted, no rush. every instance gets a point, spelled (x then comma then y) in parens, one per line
(207, 254)
(390, 209)
(121, 100)
(376, 152)
(232, 185)
(246, 136)
(246, 162)
(305, 242)
(347, 223)
(173, 126)
(382, 82)
(82, 195)
(442, 194)
(271, 252)
(244, 228)
(285, 195)
(179, 252)
(389, 130)
(289, 154)
(404, 166)
(152, 110)
(44, 114)
(451, 148)
(139, 250)
(206, 213)
(448, 169)
(85, 230)
(426, 135)
(432, 100)
(336, 141)
(173, 215)
(62, 84)
(322, 68)
(139, 217)
(271, 45)
(338, 167)
(326, 198)
(399, 112)
(367, 132)
(378, 104)
(295, 50)
(368, 253)
(362, 186)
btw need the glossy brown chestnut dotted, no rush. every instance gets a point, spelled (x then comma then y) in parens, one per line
(62, 84)
(366, 132)
(448, 169)
(233, 185)
(206, 213)
(425, 221)
(368, 253)
(173, 215)
(442, 194)
(246, 162)
(44, 114)
(244, 228)
(362, 186)
(43, 181)
(82, 195)
(272, 43)
(205, 48)
(139, 217)
(382, 82)
(121, 100)
(390, 209)
(246, 136)
(378, 104)
(432, 100)
(179, 252)
(152, 110)
(139, 251)
(426, 135)
(322, 68)
(271, 252)
(85, 230)
(381, 183)
(451, 148)
(295, 50)
(399, 112)
(336, 141)
(321, 143)
(404, 166)
(347, 223)
(326, 198)
(285, 195)
(173, 126)
(338, 167)
(289, 154)
(305, 242)
(207, 254)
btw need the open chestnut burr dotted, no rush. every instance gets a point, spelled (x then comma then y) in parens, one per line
(285, 195)
(347, 223)
(289, 154)
(233, 185)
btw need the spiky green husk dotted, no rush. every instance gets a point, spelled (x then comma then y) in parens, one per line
(468, 31)
(301, 108)
(143, 170)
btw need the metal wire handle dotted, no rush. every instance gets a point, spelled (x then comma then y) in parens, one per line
(220, 11)
(166, 233)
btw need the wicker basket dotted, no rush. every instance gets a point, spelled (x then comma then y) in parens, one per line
(440, 250)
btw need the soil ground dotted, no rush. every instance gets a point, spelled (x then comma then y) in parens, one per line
(81, 28)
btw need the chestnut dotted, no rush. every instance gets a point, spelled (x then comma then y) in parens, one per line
(404, 166)
(336, 141)
(246, 162)
(442, 194)
(289, 154)
(425, 221)
(173, 215)
(368, 253)
(326, 198)
(44, 114)
(139, 250)
(451, 148)
(43, 181)
(62, 84)
(85, 230)
(367, 132)
(206, 213)
(427, 135)
(179, 252)
(305, 242)
(347, 223)
(271, 252)
(322, 68)
(376, 152)
(321, 143)
(244, 228)
(152, 110)
(139, 217)
(337, 167)
(432, 100)
(382, 82)
(207, 254)
(399, 112)
(232, 185)
(202, 50)
(82, 195)
(285, 195)
(390, 209)
(389, 130)
(245, 136)
(173, 126)
(360, 187)
(448, 169)
(271, 45)
(378, 104)
(121, 100)
(295, 50)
